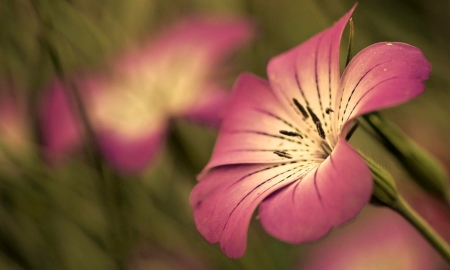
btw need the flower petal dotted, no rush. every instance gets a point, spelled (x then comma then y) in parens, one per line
(131, 155)
(327, 197)
(215, 36)
(175, 73)
(225, 199)
(166, 78)
(210, 109)
(60, 130)
(382, 75)
(373, 242)
(170, 76)
(250, 132)
(310, 73)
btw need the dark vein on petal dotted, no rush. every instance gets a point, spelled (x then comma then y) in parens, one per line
(269, 150)
(316, 76)
(268, 135)
(259, 185)
(311, 167)
(351, 95)
(282, 120)
(356, 104)
(329, 86)
(315, 183)
(300, 171)
(339, 110)
(265, 169)
(304, 97)
(300, 108)
(299, 86)
(306, 157)
(332, 161)
(282, 154)
(353, 91)
(290, 133)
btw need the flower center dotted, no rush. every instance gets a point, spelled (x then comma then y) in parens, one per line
(321, 149)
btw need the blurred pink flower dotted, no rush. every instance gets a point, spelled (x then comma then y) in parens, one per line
(381, 239)
(283, 143)
(173, 75)
(431, 208)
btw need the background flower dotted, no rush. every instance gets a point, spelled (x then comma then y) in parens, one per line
(172, 75)
(374, 241)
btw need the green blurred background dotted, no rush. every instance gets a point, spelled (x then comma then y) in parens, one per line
(56, 218)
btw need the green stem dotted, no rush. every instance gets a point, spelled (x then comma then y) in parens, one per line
(402, 207)
(423, 168)
(385, 193)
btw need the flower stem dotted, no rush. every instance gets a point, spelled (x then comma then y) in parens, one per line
(385, 193)
(423, 168)
(402, 207)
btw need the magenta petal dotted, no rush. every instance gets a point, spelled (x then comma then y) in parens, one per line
(60, 129)
(210, 109)
(225, 199)
(310, 72)
(374, 242)
(131, 155)
(380, 76)
(329, 196)
(216, 37)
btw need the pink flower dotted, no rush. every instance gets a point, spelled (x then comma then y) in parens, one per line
(282, 144)
(174, 75)
(380, 240)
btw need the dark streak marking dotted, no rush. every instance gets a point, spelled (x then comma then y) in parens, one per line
(280, 119)
(354, 89)
(282, 154)
(266, 150)
(266, 134)
(316, 75)
(315, 183)
(258, 186)
(320, 130)
(300, 108)
(264, 169)
(313, 115)
(308, 168)
(363, 96)
(299, 87)
(291, 133)
(328, 110)
(329, 82)
(317, 122)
